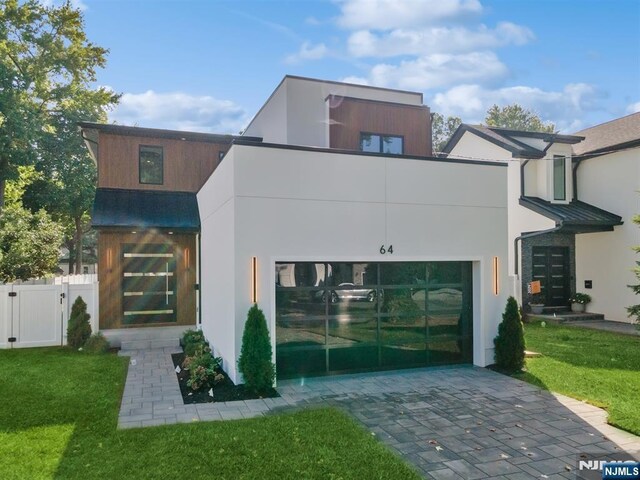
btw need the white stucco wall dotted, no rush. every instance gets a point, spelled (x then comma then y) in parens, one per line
(216, 203)
(269, 123)
(473, 147)
(296, 113)
(611, 182)
(292, 205)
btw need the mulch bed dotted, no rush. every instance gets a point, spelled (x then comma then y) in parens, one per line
(224, 391)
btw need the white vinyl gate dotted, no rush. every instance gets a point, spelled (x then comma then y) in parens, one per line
(37, 315)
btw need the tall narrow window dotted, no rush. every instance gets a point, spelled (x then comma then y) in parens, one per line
(559, 178)
(151, 168)
(372, 142)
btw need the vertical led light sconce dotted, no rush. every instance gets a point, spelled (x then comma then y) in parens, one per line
(109, 259)
(187, 260)
(496, 270)
(254, 280)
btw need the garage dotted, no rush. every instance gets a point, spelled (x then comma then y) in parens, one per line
(339, 317)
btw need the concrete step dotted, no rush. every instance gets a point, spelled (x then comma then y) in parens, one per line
(145, 337)
(149, 344)
(566, 317)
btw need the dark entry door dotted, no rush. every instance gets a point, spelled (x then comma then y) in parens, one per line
(551, 267)
(149, 284)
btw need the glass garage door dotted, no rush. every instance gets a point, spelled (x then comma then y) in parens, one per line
(341, 317)
(148, 284)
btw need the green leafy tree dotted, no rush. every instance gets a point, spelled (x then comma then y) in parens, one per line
(634, 310)
(78, 328)
(255, 362)
(516, 117)
(29, 242)
(67, 187)
(442, 129)
(509, 344)
(46, 61)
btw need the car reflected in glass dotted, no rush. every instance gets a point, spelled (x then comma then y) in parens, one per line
(350, 291)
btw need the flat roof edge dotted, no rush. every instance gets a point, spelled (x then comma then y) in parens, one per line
(111, 128)
(245, 143)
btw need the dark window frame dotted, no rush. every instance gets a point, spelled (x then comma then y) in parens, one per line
(563, 196)
(140, 147)
(380, 146)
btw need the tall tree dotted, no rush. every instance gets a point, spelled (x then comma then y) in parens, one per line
(441, 129)
(67, 187)
(634, 310)
(516, 117)
(45, 59)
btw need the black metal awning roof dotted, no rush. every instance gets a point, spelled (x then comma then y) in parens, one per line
(144, 209)
(576, 216)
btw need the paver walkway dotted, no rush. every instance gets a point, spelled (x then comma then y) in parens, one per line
(454, 422)
(607, 325)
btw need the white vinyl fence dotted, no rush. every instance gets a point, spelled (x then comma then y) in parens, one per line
(36, 315)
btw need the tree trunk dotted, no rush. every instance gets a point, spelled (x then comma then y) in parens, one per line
(2, 184)
(78, 240)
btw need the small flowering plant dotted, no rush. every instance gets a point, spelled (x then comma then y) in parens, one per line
(581, 298)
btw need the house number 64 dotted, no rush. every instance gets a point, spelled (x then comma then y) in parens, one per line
(386, 250)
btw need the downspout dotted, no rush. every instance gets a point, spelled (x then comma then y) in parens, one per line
(522, 165)
(199, 281)
(526, 236)
(575, 177)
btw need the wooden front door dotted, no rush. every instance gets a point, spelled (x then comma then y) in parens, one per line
(551, 267)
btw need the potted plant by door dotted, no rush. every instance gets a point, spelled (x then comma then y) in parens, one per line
(579, 302)
(536, 303)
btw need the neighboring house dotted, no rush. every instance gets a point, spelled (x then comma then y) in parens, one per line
(364, 251)
(571, 201)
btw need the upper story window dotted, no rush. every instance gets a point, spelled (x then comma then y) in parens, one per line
(373, 142)
(151, 165)
(559, 177)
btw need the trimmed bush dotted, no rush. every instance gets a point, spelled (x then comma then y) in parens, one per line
(509, 343)
(79, 328)
(97, 343)
(191, 339)
(255, 362)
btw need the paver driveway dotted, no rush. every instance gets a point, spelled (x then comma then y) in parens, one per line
(454, 422)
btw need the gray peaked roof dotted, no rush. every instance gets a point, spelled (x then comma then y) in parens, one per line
(507, 139)
(614, 135)
(576, 216)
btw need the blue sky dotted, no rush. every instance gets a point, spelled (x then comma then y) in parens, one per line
(209, 65)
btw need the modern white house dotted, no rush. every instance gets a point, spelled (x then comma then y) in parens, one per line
(571, 203)
(364, 251)
(359, 259)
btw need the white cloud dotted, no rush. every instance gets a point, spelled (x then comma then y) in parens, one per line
(364, 43)
(391, 14)
(633, 108)
(565, 108)
(308, 52)
(355, 80)
(439, 70)
(179, 111)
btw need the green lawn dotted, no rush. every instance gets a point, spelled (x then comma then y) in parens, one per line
(599, 367)
(58, 415)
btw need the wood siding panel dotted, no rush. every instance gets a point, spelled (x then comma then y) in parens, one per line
(110, 248)
(187, 164)
(350, 116)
